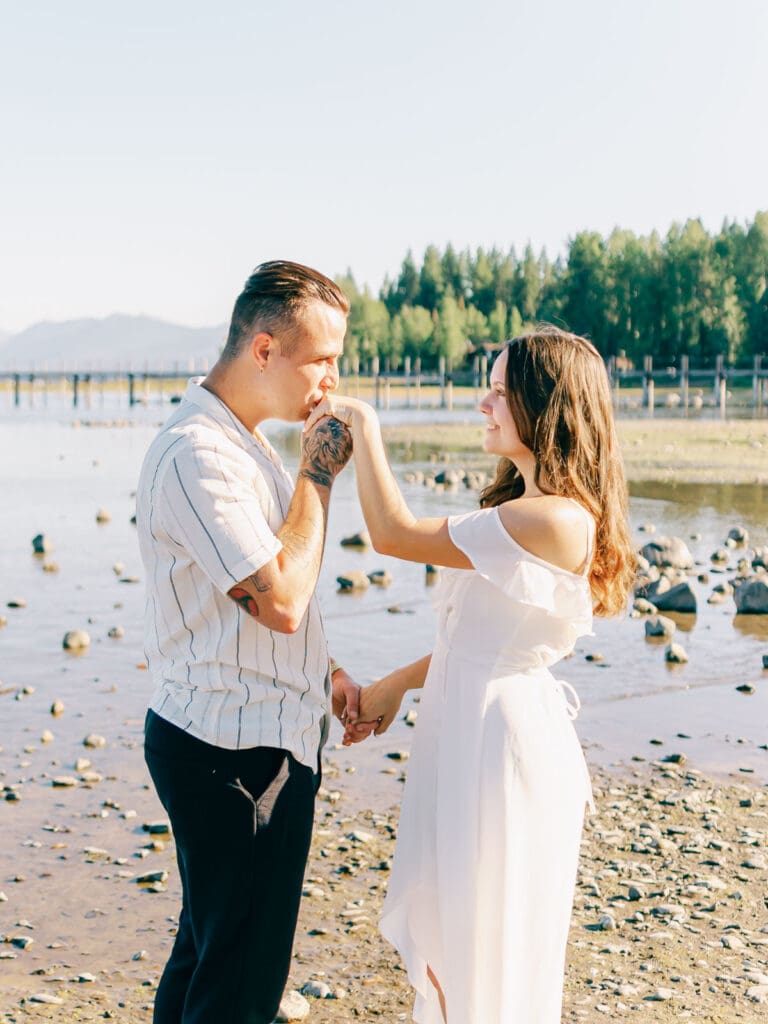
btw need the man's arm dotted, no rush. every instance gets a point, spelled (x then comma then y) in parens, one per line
(278, 593)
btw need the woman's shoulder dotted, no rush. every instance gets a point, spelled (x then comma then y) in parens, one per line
(551, 527)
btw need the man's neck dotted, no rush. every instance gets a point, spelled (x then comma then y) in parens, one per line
(246, 407)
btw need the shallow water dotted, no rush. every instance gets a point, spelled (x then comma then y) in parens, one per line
(56, 475)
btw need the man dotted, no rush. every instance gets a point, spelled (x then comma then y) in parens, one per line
(236, 643)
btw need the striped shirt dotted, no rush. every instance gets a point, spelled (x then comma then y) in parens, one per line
(210, 500)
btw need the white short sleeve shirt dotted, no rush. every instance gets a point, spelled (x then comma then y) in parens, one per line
(210, 501)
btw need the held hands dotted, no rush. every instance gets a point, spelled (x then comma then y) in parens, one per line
(379, 703)
(345, 695)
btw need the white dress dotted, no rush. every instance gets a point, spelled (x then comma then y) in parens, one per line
(485, 864)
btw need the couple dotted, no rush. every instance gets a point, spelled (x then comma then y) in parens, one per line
(480, 895)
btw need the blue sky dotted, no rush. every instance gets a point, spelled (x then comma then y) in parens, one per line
(152, 153)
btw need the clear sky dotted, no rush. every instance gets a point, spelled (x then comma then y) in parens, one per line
(151, 153)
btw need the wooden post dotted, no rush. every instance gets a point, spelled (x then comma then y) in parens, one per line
(131, 398)
(684, 374)
(16, 388)
(476, 377)
(417, 368)
(718, 376)
(407, 373)
(375, 368)
(722, 394)
(756, 380)
(648, 384)
(441, 372)
(75, 382)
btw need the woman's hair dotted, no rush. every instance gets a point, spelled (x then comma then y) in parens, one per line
(559, 397)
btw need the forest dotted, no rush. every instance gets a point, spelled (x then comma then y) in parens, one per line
(688, 293)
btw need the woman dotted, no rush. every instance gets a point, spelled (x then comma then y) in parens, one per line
(484, 871)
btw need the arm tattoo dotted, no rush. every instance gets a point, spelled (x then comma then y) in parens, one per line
(246, 601)
(261, 581)
(326, 450)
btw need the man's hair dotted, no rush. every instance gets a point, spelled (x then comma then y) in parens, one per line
(274, 300)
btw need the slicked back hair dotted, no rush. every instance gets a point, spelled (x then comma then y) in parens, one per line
(274, 299)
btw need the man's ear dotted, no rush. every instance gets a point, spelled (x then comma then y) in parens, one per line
(262, 347)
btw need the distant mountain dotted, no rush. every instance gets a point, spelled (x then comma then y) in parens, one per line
(114, 342)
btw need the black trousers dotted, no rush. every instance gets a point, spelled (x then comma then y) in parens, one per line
(242, 822)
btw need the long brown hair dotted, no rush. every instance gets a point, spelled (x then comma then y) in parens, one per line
(559, 397)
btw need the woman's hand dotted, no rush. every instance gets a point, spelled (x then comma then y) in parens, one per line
(379, 703)
(350, 411)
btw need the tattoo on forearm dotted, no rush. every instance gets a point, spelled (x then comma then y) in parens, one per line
(326, 450)
(261, 581)
(246, 601)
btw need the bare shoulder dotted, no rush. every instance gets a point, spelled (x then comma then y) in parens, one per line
(550, 527)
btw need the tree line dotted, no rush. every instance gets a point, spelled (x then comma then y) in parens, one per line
(689, 293)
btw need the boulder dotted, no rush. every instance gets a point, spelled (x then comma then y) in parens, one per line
(671, 551)
(739, 535)
(752, 598)
(680, 598)
(760, 558)
(652, 590)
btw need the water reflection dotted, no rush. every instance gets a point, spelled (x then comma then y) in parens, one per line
(727, 499)
(752, 625)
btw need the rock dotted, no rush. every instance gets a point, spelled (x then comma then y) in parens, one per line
(41, 545)
(157, 828)
(635, 893)
(431, 574)
(152, 876)
(660, 626)
(352, 581)
(648, 528)
(20, 941)
(118, 568)
(643, 606)
(46, 736)
(293, 1006)
(380, 577)
(76, 640)
(57, 708)
(316, 990)
(760, 558)
(732, 942)
(94, 741)
(63, 782)
(757, 993)
(765, 661)
(116, 632)
(50, 566)
(17, 602)
(680, 598)
(739, 535)
(675, 759)
(85, 977)
(660, 995)
(756, 863)
(752, 598)
(650, 589)
(46, 997)
(607, 923)
(746, 688)
(676, 654)
(448, 477)
(357, 540)
(410, 717)
(594, 656)
(720, 557)
(103, 516)
(398, 755)
(672, 551)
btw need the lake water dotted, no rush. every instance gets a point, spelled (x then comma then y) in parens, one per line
(60, 467)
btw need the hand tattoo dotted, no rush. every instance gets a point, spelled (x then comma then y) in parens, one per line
(326, 451)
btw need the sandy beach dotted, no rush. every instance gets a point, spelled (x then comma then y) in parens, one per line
(670, 916)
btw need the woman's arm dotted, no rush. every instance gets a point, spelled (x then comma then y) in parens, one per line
(393, 528)
(381, 701)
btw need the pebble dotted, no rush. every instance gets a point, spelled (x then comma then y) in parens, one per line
(103, 516)
(316, 990)
(116, 632)
(675, 654)
(293, 1006)
(660, 995)
(46, 997)
(57, 708)
(41, 545)
(94, 741)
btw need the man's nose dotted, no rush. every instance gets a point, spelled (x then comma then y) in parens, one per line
(331, 379)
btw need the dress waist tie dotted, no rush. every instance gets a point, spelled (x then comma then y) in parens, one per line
(572, 711)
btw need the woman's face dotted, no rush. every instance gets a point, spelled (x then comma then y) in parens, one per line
(501, 436)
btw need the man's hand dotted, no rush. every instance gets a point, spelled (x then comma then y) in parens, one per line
(346, 707)
(325, 450)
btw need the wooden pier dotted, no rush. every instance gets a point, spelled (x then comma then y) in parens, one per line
(672, 388)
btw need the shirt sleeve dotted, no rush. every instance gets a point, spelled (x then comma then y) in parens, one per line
(213, 510)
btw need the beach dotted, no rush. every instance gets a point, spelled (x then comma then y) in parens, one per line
(669, 918)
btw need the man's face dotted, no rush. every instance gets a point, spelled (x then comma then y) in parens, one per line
(310, 368)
